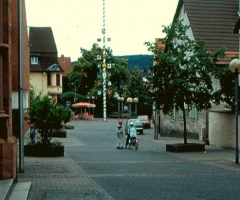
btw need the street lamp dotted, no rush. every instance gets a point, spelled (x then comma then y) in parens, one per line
(120, 107)
(118, 99)
(88, 97)
(234, 67)
(130, 100)
(135, 100)
(122, 100)
(75, 93)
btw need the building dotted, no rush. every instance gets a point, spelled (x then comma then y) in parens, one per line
(66, 65)
(45, 72)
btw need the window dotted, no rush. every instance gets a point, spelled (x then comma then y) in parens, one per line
(172, 114)
(58, 80)
(34, 60)
(49, 81)
(192, 114)
(180, 114)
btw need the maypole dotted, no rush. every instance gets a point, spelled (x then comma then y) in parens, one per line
(104, 68)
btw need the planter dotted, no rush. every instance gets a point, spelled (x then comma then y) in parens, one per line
(190, 147)
(43, 151)
(60, 134)
(69, 127)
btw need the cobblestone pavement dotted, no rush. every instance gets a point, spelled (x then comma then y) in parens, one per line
(93, 168)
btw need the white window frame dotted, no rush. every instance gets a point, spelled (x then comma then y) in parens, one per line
(34, 60)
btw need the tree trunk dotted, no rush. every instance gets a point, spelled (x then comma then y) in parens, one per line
(184, 124)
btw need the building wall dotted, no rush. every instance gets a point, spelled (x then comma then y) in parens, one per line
(222, 129)
(15, 65)
(39, 81)
(183, 16)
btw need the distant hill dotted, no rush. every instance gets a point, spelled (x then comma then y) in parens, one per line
(142, 61)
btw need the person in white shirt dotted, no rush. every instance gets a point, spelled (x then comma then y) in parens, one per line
(133, 134)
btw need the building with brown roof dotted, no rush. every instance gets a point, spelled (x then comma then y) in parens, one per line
(45, 72)
(66, 65)
(213, 21)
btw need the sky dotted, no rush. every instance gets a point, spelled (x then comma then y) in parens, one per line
(78, 23)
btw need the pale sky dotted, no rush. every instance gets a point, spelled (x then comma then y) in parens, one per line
(78, 23)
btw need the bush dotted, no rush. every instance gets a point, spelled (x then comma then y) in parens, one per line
(47, 116)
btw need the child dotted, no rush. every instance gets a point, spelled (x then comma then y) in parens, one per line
(32, 133)
(119, 131)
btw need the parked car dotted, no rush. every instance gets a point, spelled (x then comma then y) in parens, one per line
(145, 120)
(137, 123)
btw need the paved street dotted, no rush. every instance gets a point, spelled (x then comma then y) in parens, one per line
(93, 168)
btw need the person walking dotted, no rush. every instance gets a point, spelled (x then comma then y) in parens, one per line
(32, 133)
(119, 131)
(133, 134)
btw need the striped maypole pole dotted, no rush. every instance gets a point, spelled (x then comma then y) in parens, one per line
(104, 68)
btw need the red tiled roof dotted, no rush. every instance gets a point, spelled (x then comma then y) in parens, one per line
(65, 63)
(42, 40)
(213, 21)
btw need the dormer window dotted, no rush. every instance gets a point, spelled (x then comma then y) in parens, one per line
(34, 60)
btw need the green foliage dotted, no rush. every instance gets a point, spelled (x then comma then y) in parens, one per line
(137, 87)
(86, 70)
(84, 74)
(34, 95)
(47, 115)
(225, 92)
(183, 72)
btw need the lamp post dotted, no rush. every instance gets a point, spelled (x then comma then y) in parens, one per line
(118, 99)
(75, 93)
(88, 97)
(120, 107)
(93, 97)
(135, 100)
(129, 100)
(234, 67)
(122, 100)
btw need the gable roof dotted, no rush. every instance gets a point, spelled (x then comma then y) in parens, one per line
(65, 63)
(213, 21)
(42, 40)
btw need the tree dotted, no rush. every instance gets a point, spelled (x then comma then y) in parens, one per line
(86, 74)
(47, 115)
(183, 71)
(69, 96)
(139, 88)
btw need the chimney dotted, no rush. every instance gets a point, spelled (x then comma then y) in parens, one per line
(62, 58)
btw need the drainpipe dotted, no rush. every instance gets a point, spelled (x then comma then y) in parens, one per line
(20, 89)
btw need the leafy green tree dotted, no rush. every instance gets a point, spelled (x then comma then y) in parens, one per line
(139, 88)
(226, 91)
(183, 71)
(47, 115)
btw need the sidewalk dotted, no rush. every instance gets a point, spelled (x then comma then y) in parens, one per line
(59, 177)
